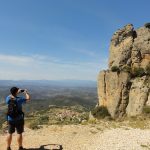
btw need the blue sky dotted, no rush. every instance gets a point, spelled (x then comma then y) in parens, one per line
(62, 39)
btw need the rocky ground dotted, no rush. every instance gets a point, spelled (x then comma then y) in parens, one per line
(100, 136)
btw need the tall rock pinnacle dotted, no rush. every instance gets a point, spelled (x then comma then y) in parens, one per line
(125, 87)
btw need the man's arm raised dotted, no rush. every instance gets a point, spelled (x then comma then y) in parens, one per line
(27, 96)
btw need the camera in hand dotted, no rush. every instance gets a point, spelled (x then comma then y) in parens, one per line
(21, 91)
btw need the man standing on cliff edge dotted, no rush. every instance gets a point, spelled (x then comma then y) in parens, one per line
(15, 115)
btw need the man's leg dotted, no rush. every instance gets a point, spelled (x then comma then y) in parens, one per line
(20, 130)
(11, 130)
(9, 139)
(19, 140)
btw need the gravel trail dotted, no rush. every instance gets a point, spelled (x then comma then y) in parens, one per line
(84, 137)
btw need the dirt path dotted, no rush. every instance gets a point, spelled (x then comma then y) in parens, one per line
(84, 137)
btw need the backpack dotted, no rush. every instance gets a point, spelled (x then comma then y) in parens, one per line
(13, 109)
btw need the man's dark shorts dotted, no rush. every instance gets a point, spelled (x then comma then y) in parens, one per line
(17, 125)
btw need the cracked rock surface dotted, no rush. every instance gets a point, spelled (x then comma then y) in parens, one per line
(124, 88)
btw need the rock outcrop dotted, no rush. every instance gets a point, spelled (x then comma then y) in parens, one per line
(125, 87)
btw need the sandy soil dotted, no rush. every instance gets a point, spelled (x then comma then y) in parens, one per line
(83, 137)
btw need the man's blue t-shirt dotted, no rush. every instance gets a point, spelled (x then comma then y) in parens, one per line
(20, 101)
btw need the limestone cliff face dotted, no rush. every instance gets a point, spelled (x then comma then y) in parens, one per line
(125, 87)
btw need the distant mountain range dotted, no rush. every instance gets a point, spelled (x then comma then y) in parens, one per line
(45, 92)
(50, 83)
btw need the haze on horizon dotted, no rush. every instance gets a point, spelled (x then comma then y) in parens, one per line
(63, 39)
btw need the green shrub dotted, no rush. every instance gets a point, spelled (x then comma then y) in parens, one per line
(100, 112)
(34, 125)
(126, 69)
(92, 121)
(138, 72)
(85, 122)
(147, 70)
(43, 120)
(147, 25)
(146, 110)
(115, 69)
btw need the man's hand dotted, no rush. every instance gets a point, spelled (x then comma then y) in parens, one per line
(12, 97)
(27, 96)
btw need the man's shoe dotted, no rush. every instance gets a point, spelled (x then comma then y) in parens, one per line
(8, 148)
(21, 148)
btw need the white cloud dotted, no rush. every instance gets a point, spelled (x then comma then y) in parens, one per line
(86, 52)
(45, 67)
(16, 60)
